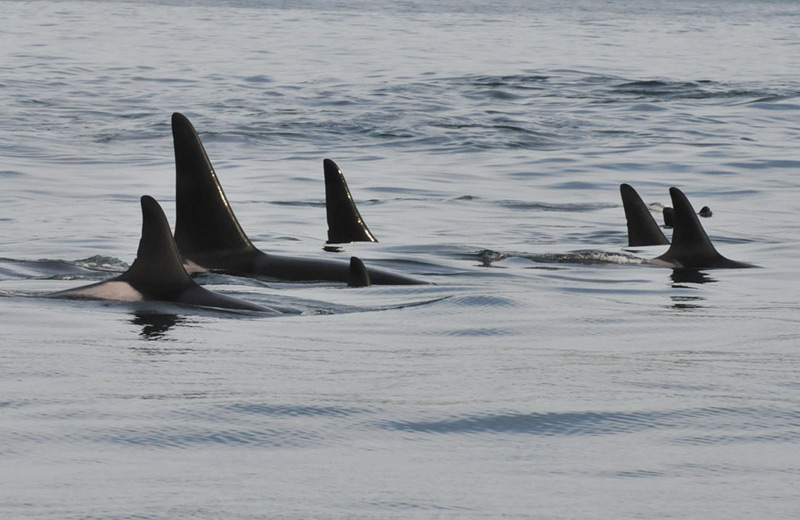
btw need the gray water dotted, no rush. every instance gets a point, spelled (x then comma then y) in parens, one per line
(547, 371)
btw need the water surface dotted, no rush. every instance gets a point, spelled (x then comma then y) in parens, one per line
(547, 372)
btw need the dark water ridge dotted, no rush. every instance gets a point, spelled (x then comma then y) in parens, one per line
(280, 426)
(728, 424)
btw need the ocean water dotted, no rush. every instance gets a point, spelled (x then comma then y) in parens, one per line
(546, 372)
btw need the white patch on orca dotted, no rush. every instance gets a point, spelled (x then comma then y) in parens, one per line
(192, 267)
(113, 290)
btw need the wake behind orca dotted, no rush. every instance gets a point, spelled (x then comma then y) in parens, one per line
(157, 273)
(209, 237)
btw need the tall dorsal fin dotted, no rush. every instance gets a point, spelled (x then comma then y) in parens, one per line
(359, 276)
(205, 221)
(344, 221)
(642, 227)
(691, 247)
(158, 268)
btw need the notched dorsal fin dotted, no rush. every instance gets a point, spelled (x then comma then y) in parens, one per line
(344, 221)
(158, 268)
(691, 247)
(359, 276)
(205, 221)
(642, 227)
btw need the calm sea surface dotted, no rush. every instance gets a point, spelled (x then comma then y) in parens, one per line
(546, 373)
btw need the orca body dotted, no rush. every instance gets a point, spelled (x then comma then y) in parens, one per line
(642, 227)
(157, 274)
(691, 248)
(344, 220)
(209, 237)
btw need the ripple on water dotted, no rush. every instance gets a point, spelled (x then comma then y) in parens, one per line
(724, 425)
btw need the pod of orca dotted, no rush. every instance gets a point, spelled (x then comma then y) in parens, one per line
(208, 237)
(690, 247)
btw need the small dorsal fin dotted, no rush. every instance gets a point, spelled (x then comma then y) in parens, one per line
(642, 227)
(158, 268)
(344, 221)
(669, 216)
(691, 247)
(359, 276)
(205, 221)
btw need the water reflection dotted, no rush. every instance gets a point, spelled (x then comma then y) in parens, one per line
(682, 276)
(686, 302)
(155, 326)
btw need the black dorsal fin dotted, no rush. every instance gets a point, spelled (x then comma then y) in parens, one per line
(691, 247)
(642, 227)
(205, 221)
(359, 276)
(669, 217)
(158, 269)
(344, 221)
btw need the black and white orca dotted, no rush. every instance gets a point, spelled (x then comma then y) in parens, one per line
(158, 274)
(209, 237)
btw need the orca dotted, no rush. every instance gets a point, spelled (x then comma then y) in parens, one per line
(158, 274)
(209, 238)
(691, 248)
(642, 227)
(344, 220)
(359, 276)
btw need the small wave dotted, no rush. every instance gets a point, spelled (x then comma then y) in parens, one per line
(553, 423)
(292, 411)
(565, 207)
(732, 424)
(102, 263)
(522, 81)
(479, 332)
(477, 300)
(588, 257)
(595, 257)
(488, 257)
(663, 90)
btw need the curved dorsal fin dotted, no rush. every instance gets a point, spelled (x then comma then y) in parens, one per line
(205, 221)
(344, 221)
(359, 276)
(158, 268)
(691, 247)
(642, 227)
